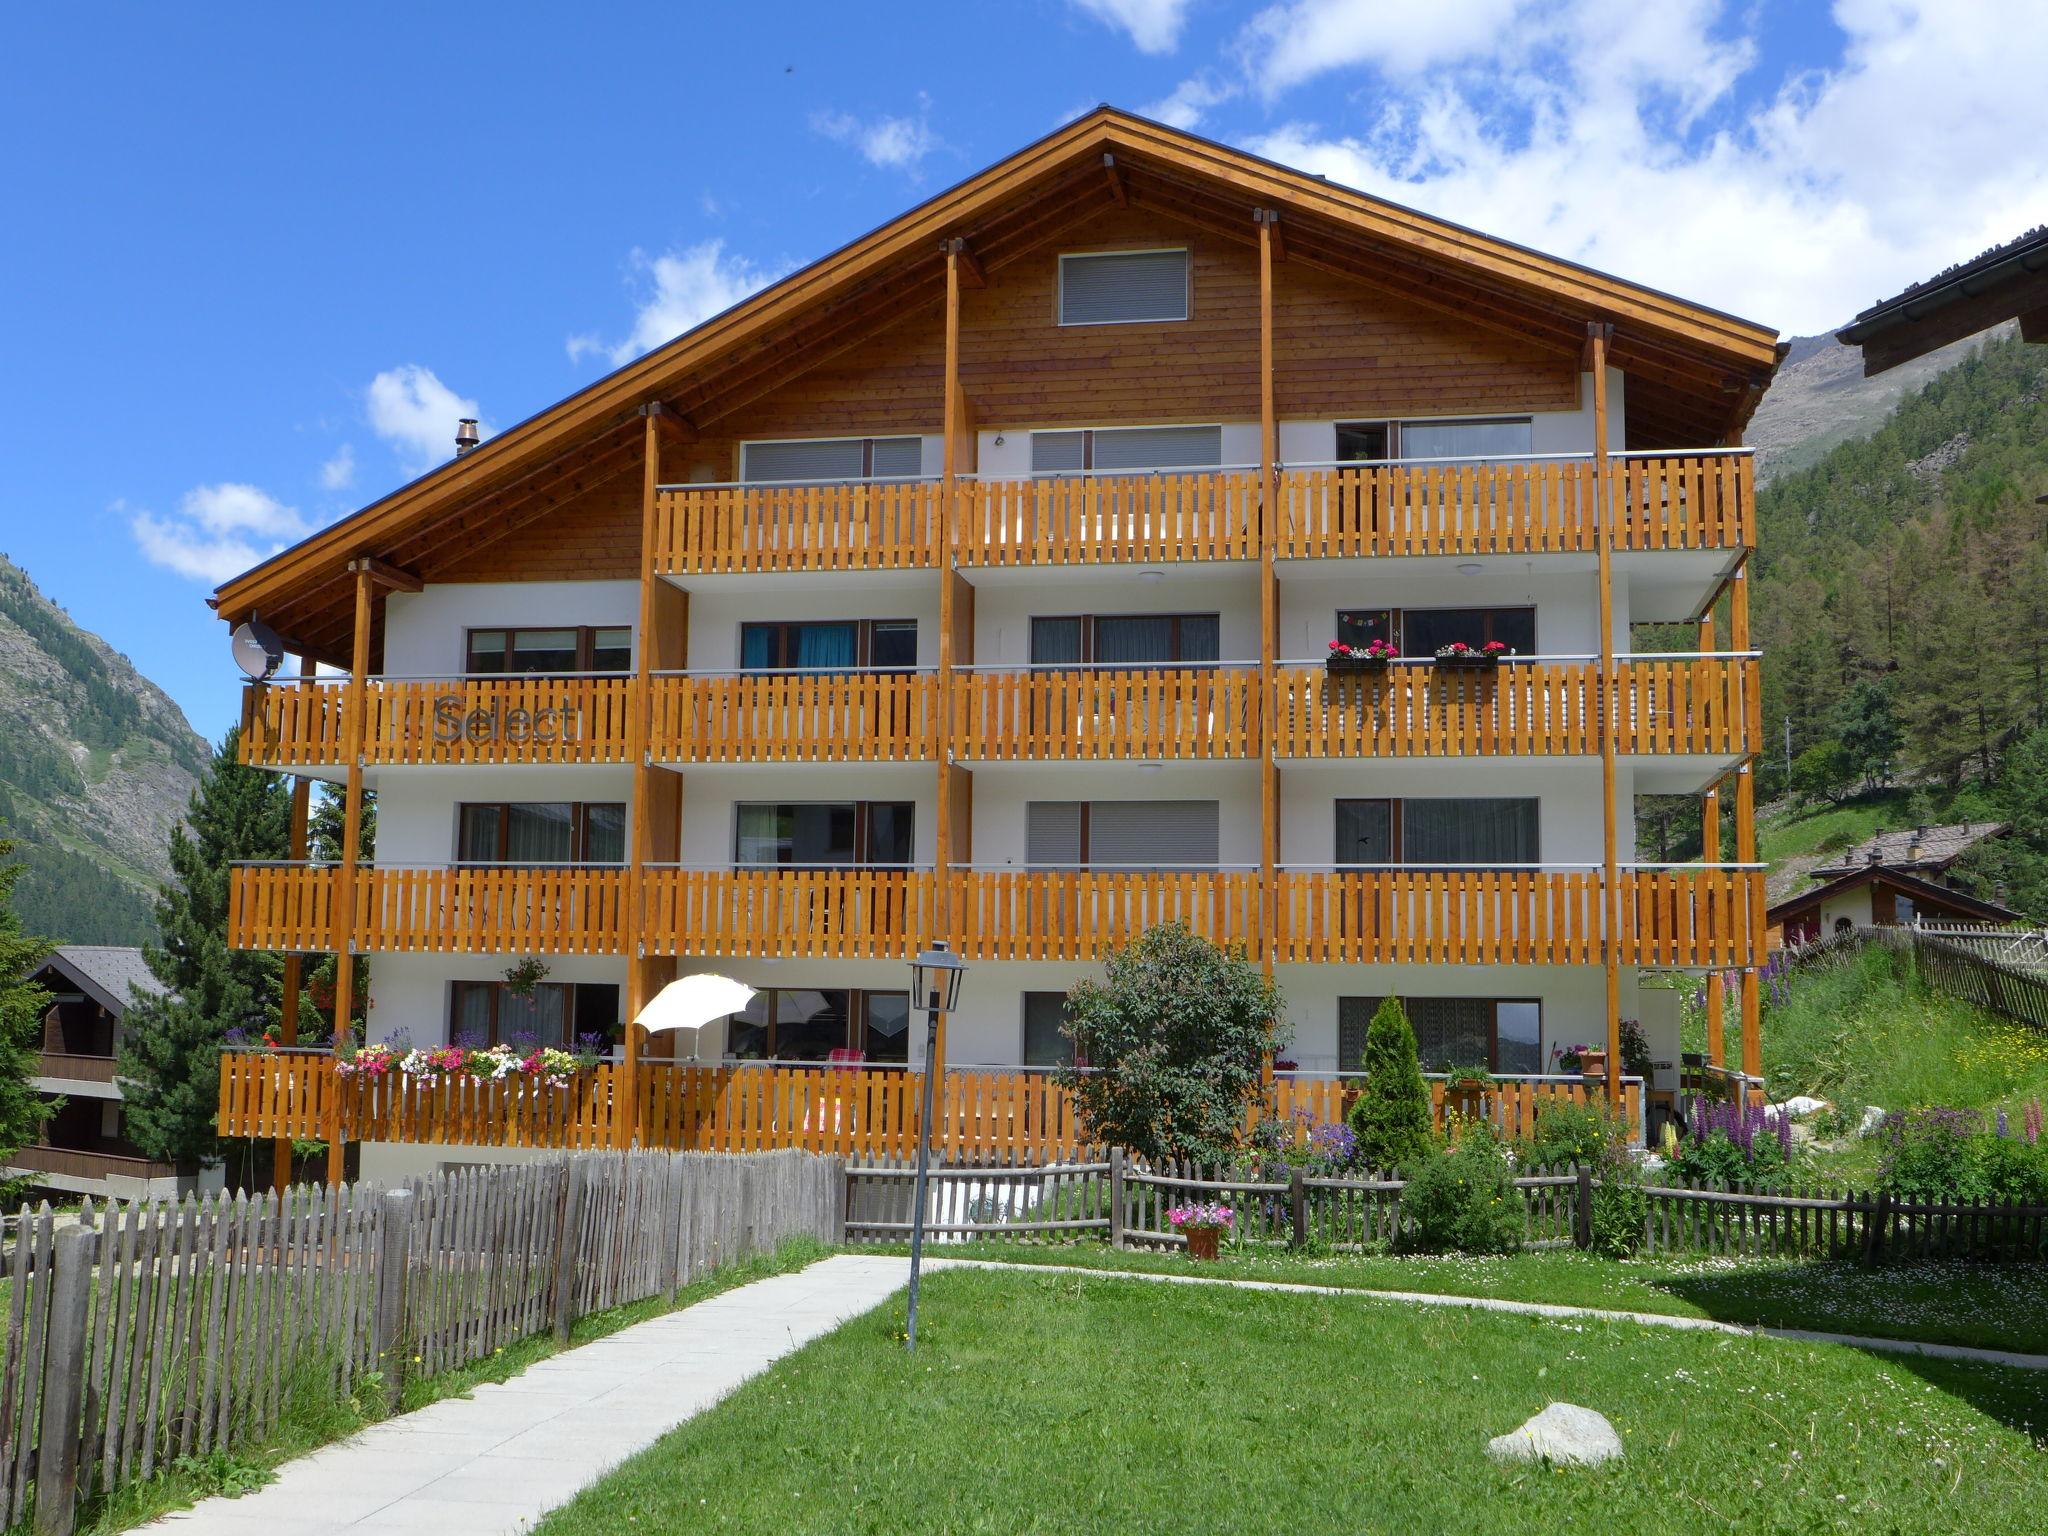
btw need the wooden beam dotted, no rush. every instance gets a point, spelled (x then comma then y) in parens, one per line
(672, 423)
(1605, 334)
(385, 574)
(968, 269)
(1269, 615)
(1270, 217)
(345, 872)
(1597, 337)
(1117, 190)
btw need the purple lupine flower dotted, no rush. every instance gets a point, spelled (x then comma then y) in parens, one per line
(2004, 1128)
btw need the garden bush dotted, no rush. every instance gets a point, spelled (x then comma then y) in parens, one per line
(1462, 1199)
(1571, 1133)
(1391, 1119)
(1939, 1151)
(1621, 1207)
(1731, 1143)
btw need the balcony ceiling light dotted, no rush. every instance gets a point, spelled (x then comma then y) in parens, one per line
(1470, 568)
(1151, 575)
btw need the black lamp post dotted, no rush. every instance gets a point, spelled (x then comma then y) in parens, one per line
(935, 987)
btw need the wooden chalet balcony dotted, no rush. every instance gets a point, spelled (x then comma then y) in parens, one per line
(794, 717)
(847, 913)
(76, 1163)
(536, 718)
(1520, 506)
(1083, 914)
(1105, 712)
(1671, 916)
(1148, 518)
(826, 526)
(567, 909)
(73, 1068)
(1417, 709)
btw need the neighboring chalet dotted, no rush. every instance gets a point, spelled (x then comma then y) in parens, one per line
(84, 1150)
(978, 582)
(2007, 282)
(1890, 878)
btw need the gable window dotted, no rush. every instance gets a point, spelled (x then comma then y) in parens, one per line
(1501, 1034)
(557, 1013)
(1425, 631)
(821, 1024)
(829, 645)
(552, 832)
(824, 833)
(588, 648)
(1131, 449)
(1122, 834)
(1137, 640)
(1502, 437)
(832, 458)
(1123, 287)
(1475, 832)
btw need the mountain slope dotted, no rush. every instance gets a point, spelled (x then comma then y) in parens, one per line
(96, 764)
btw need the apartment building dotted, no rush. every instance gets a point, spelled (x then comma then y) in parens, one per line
(980, 581)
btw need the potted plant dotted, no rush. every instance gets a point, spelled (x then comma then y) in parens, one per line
(1202, 1223)
(1464, 1087)
(1373, 656)
(1459, 654)
(524, 976)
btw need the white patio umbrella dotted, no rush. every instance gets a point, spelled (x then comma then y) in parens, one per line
(694, 1003)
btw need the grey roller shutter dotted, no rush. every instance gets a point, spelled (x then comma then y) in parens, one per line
(820, 458)
(1118, 287)
(1158, 447)
(898, 458)
(1162, 834)
(1052, 832)
(1058, 453)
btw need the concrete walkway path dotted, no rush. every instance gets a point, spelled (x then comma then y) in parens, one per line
(496, 1461)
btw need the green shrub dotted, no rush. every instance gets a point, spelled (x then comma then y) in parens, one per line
(1621, 1208)
(1463, 1199)
(1391, 1118)
(1932, 1150)
(2010, 1169)
(1718, 1160)
(1571, 1133)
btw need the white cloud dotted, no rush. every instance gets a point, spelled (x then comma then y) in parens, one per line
(1185, 105)
(893, 143)
(1153, 26)
(1610, 131)
(218, 531)
(339, 472)
(689, 287)
(416, 413)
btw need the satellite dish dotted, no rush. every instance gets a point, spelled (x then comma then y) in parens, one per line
(258, 651)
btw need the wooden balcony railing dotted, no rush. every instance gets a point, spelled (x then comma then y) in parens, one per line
(1696, 705)
(286, 907)
(791, 717)
(1511, 1103)
(843, 526)
(526, 719)
(1537, 506)
(1104, 519)
(76, 1069)
(533, 909)
(849, 913)
(1084, 914)
(1095, 713)
(75, 1163)
(1699, 915)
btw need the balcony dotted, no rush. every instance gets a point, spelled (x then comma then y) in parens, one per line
(73, 1164)
(536, 718)
(1106, 518)
(1102, 713)
(1684, 705)
(794, 717)
(483, 909)
(65, 1066)
(845, 912)
(1084, 914)
(858, 525)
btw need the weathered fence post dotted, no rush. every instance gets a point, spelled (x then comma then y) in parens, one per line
(64, 1366)
(387, 1321)
(563, 1295)
(1582, 1209)
(1297, 1207)
(1876, 1214)
(1116, 1197)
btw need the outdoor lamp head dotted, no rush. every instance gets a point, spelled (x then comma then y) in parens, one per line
(935, 978)
(257, 649)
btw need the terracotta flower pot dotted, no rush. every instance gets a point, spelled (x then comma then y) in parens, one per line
(1202, 1242)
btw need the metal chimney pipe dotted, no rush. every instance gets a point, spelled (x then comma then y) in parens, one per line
(466, 436)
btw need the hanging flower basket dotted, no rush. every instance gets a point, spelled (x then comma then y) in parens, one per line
(1345, 660)
(1474, 657)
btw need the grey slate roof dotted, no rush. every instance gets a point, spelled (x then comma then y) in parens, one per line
(106, 970)
(1921, 848)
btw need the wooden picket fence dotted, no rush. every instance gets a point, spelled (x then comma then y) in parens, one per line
(153, 1331)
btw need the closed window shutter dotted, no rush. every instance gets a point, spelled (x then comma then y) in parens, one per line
(1058, 453)
(898, 458)
(1052, 832)
(1165, 834)
(1158, 447)
(1123, 286)
(823, 458)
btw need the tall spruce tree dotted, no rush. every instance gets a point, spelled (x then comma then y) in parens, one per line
(22, 1109)
(170, 1049)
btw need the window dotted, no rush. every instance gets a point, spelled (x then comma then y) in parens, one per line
(1505, 1035)
(1430, 831)
(1126, 448)
(1137, 640)
(829, 645)
(833, 458)
(557, 832)
(557, 1013)
(809, 1024)
(1123, 287)
(1045, 1043)
(884, 1026)
(1377, 441)
(1425, 631)
(600, 648)
(1122, 834)
(1364, 442)
(824, 833)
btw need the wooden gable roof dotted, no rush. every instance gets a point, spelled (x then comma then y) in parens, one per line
(1695, 373)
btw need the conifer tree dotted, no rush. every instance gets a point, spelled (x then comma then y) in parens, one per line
(170, 1051)
(1391, 1118)
(22, 1109)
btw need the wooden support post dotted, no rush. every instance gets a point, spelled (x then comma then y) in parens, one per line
(953, 413)
(1745, 848)
(1582, 1207)
(294, 963)
(626, 1104)
(1117, 1213)
(1710, 853)
(1598, 334)
(63, 1384)
(1297, 1208)
(1269, 627)
(345, 875)
(387, 1319)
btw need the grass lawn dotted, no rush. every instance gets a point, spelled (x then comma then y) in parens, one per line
(1988, 1306)
(1061, 1403)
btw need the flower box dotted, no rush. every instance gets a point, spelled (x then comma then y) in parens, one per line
(1351, 666)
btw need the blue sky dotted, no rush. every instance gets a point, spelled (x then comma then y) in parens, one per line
(254, 260)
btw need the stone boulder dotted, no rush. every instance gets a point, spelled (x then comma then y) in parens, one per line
(1563, 1433)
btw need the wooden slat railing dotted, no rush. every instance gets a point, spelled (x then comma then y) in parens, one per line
(1101, 519)
(1701, 916)
(1513, 709)
(1445, 917)
(841, 913)
(1511, 1104)
(525, 719)
(282, 907)
(795, 717)
(1085, 914)
(1152, 712)
(77, 1163)
(532, 909)
(286, 724)
(77, 1069)
(1676, 501)
(855, 525)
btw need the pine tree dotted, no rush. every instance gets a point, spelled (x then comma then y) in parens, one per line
(170, 1050)
(1391, 1118)
(22, 1109)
